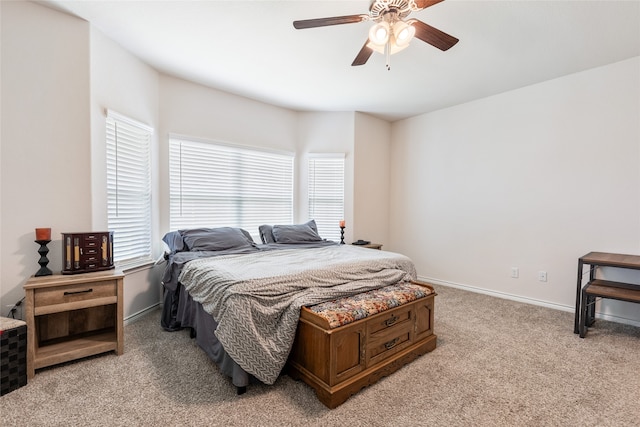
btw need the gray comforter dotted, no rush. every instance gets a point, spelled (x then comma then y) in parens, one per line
(256, 298)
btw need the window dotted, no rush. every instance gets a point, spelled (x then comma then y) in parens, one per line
(326, 193)
(216, 185)
(129, 189)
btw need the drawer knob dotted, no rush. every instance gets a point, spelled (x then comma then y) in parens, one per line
(86, 291)
(391, 321)
(389, 345)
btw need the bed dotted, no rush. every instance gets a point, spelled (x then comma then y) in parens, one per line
(242, 300)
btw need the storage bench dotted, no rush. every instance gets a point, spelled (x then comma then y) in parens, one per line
(347, 344)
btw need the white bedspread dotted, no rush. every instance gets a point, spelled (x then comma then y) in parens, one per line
(256, 298)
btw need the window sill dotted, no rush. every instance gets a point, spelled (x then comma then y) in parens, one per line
(134, 268)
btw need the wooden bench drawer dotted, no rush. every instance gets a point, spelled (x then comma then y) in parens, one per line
(389, 341)
(389, 319)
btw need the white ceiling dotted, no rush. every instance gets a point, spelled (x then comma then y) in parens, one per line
(250, 48)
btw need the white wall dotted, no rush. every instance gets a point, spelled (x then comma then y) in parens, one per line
(193, 110)
(122, 83)
(533, 178)
(58, 77)
(371, 179)
(327, 133)
(46, 168)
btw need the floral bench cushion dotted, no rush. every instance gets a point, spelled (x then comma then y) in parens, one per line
(349, 309)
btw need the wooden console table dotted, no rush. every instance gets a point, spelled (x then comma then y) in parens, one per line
(585, 296)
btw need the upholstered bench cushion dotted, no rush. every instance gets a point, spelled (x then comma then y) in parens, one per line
(349, 309)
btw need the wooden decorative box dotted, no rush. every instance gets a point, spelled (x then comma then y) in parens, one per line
(87, 252)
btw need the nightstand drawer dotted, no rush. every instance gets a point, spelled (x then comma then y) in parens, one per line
(74, 293)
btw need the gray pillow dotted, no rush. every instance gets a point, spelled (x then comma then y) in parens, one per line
(174, 241)
(297, 233)
(266, 233)
(216, 239)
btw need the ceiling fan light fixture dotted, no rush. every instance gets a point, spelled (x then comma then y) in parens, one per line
(391, 31)
(376, 48)
(379, 34)
(395, 47)
(403, 33)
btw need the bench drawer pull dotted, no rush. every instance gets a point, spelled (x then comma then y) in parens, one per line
(389, 345)
(391, 321)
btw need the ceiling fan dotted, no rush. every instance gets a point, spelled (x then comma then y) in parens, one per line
(391, 32)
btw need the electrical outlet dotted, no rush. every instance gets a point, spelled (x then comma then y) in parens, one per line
(542, 276)
(515, 272)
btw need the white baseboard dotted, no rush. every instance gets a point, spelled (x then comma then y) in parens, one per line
(140, 314)
(526, 300)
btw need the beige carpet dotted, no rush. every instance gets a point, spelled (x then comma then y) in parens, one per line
(498, 362)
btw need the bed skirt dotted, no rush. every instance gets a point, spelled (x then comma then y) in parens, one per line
(181, 311)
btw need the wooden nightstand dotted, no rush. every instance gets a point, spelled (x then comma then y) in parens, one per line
(374, 246)
(371, 245)
(72, 316)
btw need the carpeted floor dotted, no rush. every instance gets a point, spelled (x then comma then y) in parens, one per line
(498, 363)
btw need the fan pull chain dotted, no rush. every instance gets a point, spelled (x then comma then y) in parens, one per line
(388, 53)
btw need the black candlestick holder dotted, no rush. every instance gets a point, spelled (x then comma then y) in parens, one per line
(342, 235)
(43, 261)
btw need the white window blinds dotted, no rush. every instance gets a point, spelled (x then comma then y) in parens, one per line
(218, 185)
(129, 189)
(326, 193)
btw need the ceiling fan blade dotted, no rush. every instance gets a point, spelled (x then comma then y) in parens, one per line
(431, 35)
(323, 22)
(423, 4)
(364, 55)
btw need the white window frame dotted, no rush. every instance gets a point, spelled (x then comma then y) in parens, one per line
(325, 198)
(217, 184)
(129, 197)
